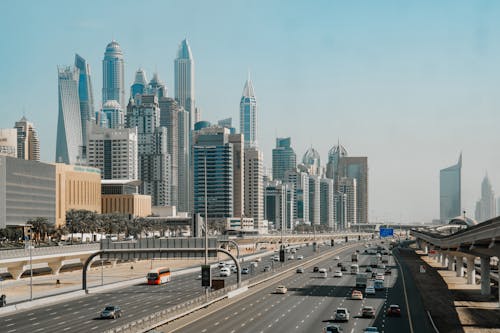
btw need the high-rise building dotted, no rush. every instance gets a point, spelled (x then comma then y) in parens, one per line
(314, 200)
(113, 151)
(340, 210)
(140, 84)
(486, 206)
(86, 96)
(113, 80)
(153, 157)
(346, 202)
(238, 174)
(184, 81)
(248, 115)
(450, 191)
(254, 186)
(327, 214)
(213, 173)
(278, 204)
(157, 87)
(300, 182)
(312, 162)
(284, 158)
(8, 142)
(334, 155)
(357, 167)
(28, 144)
(69, 126)
(114, 114)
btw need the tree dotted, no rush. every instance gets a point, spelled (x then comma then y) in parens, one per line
(39, 226)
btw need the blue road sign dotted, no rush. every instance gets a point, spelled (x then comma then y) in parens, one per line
(386, 232)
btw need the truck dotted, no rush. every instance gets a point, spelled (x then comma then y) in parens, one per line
(354, 257)
(373, 261)
(361, 280)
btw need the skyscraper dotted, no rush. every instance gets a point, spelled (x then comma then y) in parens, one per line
(236, 140)
(140, 83)
(486, 206)
(284, 158)
(113, 80)
(86, 96)
(248, 115)
(312, 161)
(28, 144)
(114, 114)
(153, 157)
(254, 186)
(157, 87)
(346, 202)
(69, 124)
(314, 199)
(334, 155)
(184, 81)
(300, 182)
(327, 215)
(8, 142)
(357, 168)
(450, 191)
(278, 204)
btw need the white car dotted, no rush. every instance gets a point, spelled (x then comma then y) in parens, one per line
(281, 290)
(336, 258)
(233, 269)
(225, 272)
(221, 265)
(300, 257)
(337, 274)
(380, 277)
(276, 258)
(370, 290)
(342, 314)
(291, 257)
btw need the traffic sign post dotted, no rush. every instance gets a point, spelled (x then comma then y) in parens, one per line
(386, 232)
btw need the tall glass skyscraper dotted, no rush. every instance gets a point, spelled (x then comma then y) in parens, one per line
(86, 98)
(284, 158)
(450, 189)
(184, 80)
(248, 115)
(69, 125)
(140, 83)
(334, 156)
(113, 81)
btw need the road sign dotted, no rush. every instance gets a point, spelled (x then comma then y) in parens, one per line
(205, 275)
(386, 232)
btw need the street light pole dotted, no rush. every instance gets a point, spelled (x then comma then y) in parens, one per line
(31, 271)
(206, 217)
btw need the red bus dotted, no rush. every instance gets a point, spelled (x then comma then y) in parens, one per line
(158, 275)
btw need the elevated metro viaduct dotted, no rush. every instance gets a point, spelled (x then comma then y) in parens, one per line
(453, 249)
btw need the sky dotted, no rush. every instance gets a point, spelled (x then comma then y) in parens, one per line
(410, 84)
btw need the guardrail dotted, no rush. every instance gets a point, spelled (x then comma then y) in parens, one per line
(41, 251)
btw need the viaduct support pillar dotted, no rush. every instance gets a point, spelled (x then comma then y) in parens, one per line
(460, 266)
(451, 262)
(485, 276)
(471, 271)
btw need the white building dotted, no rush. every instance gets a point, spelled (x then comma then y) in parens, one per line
(114, 114)
(300, 182)
(254, 187)
(314, 199)
(327, 213)
(8, 142)
(348, 186)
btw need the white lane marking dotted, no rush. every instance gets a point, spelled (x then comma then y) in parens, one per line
(93, 328)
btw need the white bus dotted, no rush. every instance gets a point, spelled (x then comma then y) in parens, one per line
(354, 269)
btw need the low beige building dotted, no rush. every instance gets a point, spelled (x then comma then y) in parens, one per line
(136, 205)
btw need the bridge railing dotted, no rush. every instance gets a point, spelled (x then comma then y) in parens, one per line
(41, 251)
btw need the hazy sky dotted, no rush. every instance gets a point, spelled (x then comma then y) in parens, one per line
(408, 84)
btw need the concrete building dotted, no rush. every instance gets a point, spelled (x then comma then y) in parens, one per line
(254, 186)
(327, 211)
(239, 180)
(114, 114)
(114, 151)
(450, 192)
(357, 168)
(300, 182)
(340, 210)
(240, 223)
(113, 79)
(279, 204)
(28, 144)
(8, 142)
(77, 187)
(284, 158)
(69, 143)
(248, 115)
(86, 97)
(335, 154)
(346, 216)
(121, 196)
(314, 200)
(486, 206)
(143, 112)
(27, 191)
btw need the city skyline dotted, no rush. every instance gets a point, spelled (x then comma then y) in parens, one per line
(428, 91)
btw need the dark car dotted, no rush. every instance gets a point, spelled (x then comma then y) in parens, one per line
(368, 312)
(332, 329)
(368, 269)
(111, 312)
(394, 311)
(343, 268)
(316, 269)
(388, 271)
(339, 264)
(374, 275)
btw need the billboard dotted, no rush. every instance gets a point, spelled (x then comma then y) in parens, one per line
(386, 232)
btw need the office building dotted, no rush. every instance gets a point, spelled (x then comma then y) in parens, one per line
(86, 96)
(121, 196)
(28, 144)
(327, 211)
(284, 158)
(254, 186)
(184, 81)
(236, 140)
(312, 162)
(114, 151)
(157, 87)
(140, 84)
(486, 206)
(113, 80)
(340, 211)
(115, 118)
(248, 115)
(334, 155)
(153, 158)
(450, 192)
(314, 199)
(300, 182)
(279, 204)
(69, 125)
(8, 142)
(345, 202)
(357, 168)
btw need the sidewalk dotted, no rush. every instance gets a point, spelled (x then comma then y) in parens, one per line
(454, 305)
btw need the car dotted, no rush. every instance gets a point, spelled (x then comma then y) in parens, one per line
(221, 265)
(316, 269)
(281, 289)
(394, 311)
(368, 312)
(198, 277)
(291, 257)
(111, 311)
(276, 258)
(374, 275)
(332, 328)
(368, 269)
(300, 270)
(343, 268)
(225, 272)
(245, 270)
(339, 264)
(259, 259)
(233, 269)
(379, 276)
(254, 264)
(300, 257)
(356, 294)
(371, 329)
(337, 274)
(342, 314)
(370, 290)
(336, 258)
(388, 271)
(267, 268)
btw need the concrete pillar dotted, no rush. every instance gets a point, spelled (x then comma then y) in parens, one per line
(460, 266)
(451, 262)
(444, 260)
(16, 271)
(426, 248)
(55, 266)
(485, 276)
(471, 271)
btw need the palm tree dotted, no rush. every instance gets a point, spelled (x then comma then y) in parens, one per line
(39, 225)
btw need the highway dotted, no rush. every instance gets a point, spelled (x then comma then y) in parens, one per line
(81, 315)
(310, 302)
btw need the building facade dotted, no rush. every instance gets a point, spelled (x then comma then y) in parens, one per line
(346, 205)
(28, 144)
(248, 115)
(184, 81)
(357, 168)
(314, 200)
(239, 181)
(327, 211)
(8, 142)
(120, 196)
(279, 204)
(300, 182)
(86, 96)
(486, 206)
(334, 155)
(140, 84)
(114, 114)
(284, 158)
(450, 192)
(254, 186)
(113, 74)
